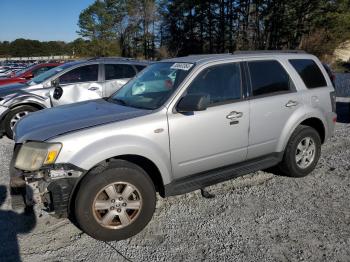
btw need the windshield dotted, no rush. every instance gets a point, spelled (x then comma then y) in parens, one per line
(49, 73)
(153, 86)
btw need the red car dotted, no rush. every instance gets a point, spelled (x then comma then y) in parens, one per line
(27, 74)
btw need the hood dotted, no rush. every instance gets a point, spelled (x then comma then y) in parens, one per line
(45, 124)
(12, 88)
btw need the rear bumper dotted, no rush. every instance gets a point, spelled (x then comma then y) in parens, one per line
(331, 119)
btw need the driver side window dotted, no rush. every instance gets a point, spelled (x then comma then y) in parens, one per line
(222, 83)
(88, 73)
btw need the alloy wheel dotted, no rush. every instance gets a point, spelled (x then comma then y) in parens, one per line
(17, 117)
(117, 205)
(305, 152)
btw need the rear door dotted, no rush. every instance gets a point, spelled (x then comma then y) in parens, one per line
(218, 136)
(116, 75)
(273, 100)
(79, 84)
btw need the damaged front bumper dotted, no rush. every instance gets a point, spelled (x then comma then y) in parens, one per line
(50, 187)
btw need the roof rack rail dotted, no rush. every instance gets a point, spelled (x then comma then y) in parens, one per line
(269, 51)
(93, 58)
(119, 57)
(112, 57)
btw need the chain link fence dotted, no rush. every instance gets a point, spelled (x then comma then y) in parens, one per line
(342, 85)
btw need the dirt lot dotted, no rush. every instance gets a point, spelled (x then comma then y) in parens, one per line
(259, 217)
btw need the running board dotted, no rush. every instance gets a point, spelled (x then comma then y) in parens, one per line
(205, 179)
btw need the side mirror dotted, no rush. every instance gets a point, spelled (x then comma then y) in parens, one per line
(193, 102)
(55, 83)
(57, 93)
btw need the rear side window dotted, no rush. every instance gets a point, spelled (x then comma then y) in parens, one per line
(119, 71)
(268, 77)
(309, 72)
(221, 83)
(88, 73)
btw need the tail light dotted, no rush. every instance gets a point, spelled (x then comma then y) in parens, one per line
(333, 101)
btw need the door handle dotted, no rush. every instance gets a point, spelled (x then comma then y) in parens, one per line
(234, 115)
(93, 88)
(291, 103)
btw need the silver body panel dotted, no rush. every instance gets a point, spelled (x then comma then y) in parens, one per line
(206, 140)
(52, 122)
(181, 145)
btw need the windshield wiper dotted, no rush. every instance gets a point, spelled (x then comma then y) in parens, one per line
(118, 101)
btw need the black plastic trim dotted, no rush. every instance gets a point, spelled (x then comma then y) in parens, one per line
(60, 191)
(208, 178)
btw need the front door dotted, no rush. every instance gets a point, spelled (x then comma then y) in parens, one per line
(218, 136)
(76, 85)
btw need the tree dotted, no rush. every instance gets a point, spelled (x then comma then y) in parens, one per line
(96, 24)
(150, 28)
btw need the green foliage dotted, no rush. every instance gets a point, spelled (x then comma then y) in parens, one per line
(131, 23)
(226, 25)
(25, 48)
(154, 29)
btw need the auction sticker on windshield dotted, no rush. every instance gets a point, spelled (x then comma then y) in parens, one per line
(182, 66)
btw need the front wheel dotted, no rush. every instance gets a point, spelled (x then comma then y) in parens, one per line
(14, 116)
(116, 203)
(302, 152)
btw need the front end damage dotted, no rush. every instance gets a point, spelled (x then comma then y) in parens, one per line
(50, 188)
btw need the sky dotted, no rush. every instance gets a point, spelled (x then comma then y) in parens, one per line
(43, 20)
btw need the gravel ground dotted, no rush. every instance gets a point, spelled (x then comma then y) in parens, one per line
(259, 217)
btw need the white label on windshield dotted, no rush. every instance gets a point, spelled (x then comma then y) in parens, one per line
(182, 66)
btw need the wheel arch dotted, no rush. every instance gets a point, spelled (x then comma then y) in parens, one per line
(146, 164)
(318, 125)
(149, 166)
(33, 104)
(14, 106)
(314, 120)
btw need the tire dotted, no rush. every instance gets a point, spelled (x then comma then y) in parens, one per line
(18, 111)
(92, 193)
(291, 165)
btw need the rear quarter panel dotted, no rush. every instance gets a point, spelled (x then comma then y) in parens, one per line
(316, 103)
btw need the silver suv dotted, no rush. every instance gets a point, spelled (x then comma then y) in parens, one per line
(180, 125)
(69, 83)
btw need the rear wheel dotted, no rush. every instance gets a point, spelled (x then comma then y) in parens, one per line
(14, 116)
(302, 152)
(116, 203)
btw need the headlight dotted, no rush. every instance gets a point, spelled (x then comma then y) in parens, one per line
(33, 155)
